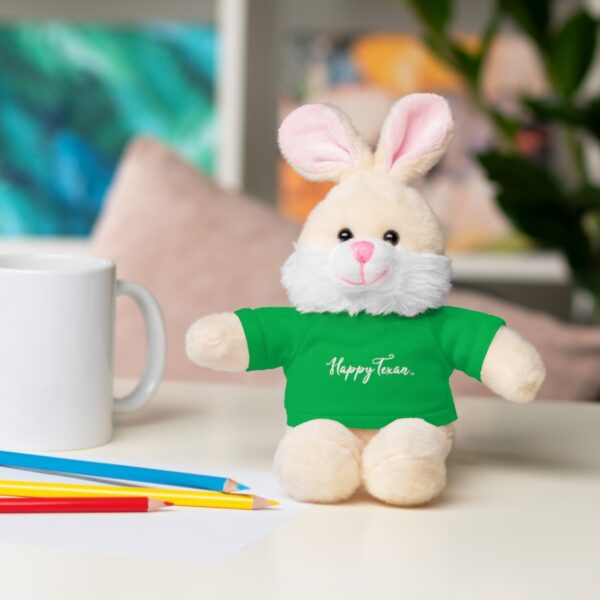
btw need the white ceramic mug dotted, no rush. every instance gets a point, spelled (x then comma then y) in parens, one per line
(57, 319)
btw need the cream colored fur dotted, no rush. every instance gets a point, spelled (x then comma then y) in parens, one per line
(369, 204)
(512, 367)
(218, 342)
(404, 462)
(319, 461)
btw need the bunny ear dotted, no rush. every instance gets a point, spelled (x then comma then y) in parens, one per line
(415, 135)
(320, 142)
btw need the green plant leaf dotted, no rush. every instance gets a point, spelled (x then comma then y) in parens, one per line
(522, 178)
(435, 14)
(586, 198)
(467, 64)
(533, 16)
(507, 124)
(591, 225)
(571, 52)
(555, 109)
(591, 117)
(437, 46)
(537, 204)
(567, 112)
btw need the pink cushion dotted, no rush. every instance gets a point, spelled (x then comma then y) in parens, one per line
(197, 248)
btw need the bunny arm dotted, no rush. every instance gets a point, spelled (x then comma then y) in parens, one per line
(218, 342)
(512, 367)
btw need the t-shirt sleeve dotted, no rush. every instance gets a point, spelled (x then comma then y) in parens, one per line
(464, 337)
(272, 335)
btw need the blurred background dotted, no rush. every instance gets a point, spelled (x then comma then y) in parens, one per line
(194, 90)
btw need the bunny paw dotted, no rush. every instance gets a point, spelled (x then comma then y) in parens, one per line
(319, 461)
(218, 342)
(512, 367)
(404, 464)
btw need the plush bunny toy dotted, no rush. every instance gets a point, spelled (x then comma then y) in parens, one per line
(368, 346)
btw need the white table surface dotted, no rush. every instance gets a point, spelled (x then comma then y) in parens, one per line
(520, 518)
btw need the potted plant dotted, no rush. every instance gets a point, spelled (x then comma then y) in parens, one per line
(557, 205)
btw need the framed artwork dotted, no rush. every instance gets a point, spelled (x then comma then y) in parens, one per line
(72, 94)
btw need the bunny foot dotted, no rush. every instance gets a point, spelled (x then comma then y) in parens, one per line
(405, 462)
(319, 461)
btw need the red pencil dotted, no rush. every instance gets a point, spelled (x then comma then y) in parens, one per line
(80, 505)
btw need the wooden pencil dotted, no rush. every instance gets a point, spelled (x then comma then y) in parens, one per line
(199, 498)
(89, 468)
(81, 505)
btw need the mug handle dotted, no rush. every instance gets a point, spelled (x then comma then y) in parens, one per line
(157, 346)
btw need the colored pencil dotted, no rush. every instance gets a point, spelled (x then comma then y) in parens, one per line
(198, 498)
(80, 505)
(116, 471)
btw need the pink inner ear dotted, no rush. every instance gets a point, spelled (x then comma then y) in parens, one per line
(419, 125)
(314, 139)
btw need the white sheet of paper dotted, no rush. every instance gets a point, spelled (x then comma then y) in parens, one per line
(198, 535)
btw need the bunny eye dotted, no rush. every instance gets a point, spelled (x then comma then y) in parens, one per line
(391, 236)
(345, 234)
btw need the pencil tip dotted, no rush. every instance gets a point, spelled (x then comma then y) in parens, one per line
(259, 502)
(233, 486)
(157, 504)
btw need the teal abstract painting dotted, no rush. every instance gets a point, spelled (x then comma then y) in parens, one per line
(71, 97)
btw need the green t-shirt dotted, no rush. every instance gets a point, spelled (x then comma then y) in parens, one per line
(365, 371)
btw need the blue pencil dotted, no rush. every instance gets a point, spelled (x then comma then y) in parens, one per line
(124, 472)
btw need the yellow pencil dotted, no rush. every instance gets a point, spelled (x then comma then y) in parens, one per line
(200, 498)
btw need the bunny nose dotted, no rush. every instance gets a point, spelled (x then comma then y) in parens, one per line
(362, 251)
